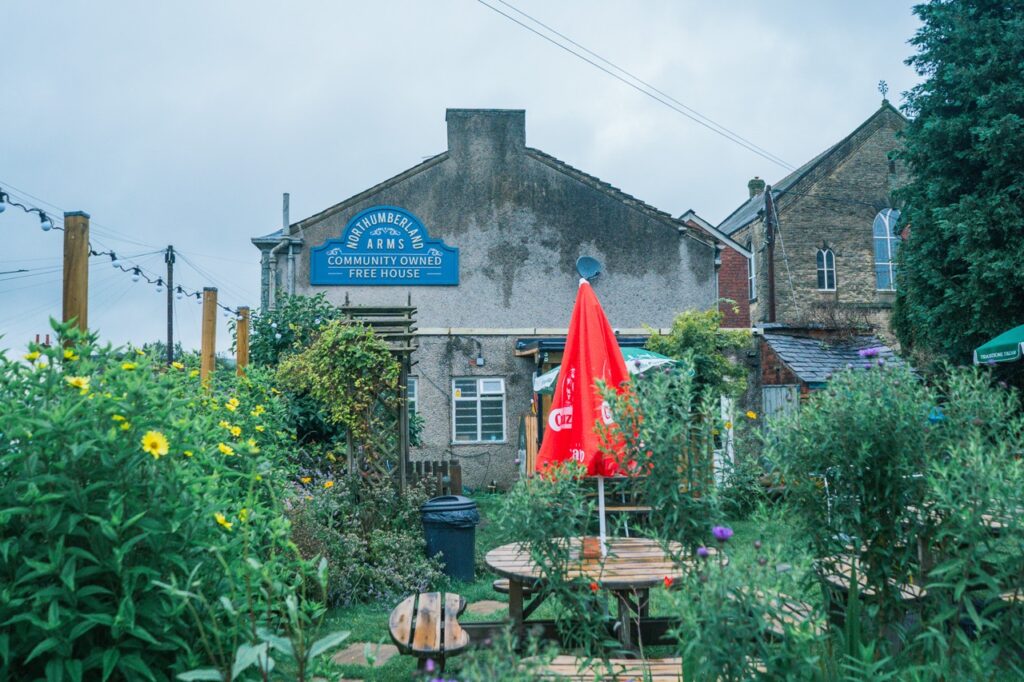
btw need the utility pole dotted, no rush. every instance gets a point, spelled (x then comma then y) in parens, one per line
(209, 334)
(76, 269)
(169, 259)
(769, 241)
(242, 340)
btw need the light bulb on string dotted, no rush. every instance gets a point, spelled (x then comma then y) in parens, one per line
(135, 274)
(45, 223)
(3, 195)
(159, 285)
(180, 293)
(114, 261)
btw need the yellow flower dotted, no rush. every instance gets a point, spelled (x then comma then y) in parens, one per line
(225, 449)
(728, 425)
(328, 484)
(194, 373)
(187, 453)
(155, 443)
(330, 456)
(243, 514)
(31, 357)
(177, 365)
(222, 520)
(128, 366)
(260, 428)
(233, 401)
(258, 477)
(252, 443)
(125, 426)
(258, 411)
(139, 351)
(81, 383)
(751, 414)
(306, 479)
(223, 423)
(118, 417)
(230, 407)
(236, 431)
(70, 354)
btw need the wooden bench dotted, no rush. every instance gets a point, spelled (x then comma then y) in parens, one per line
(614, 669)
(426, 626)
(501, 586)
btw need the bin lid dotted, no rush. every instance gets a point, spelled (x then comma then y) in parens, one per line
(447, 503)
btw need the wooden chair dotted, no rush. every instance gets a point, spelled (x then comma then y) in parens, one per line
(426, 626)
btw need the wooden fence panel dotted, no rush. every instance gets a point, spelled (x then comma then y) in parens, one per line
(440, 477)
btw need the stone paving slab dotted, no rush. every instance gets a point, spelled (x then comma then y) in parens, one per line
(485, 606)
(355, 654)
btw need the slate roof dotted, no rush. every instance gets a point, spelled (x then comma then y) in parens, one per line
(749, 209)
(812, 360)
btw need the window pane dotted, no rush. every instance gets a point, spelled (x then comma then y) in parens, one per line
(832, 279)
(883, 280)
(821, 258)
(467, 388)
(492, 421)
(821, 278)
(881, 250)
(894, 246)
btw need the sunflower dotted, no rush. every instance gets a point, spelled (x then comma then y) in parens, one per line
(225, 449)
(222, 520)
(328, 484)
(155, 443)
(236, 431)
(751, 414)
(69, 354)
(177, 365)
(128, 366)
(31, 357)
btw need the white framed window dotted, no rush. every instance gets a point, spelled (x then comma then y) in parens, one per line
(412, 394)
(826, 270)
(751, 275)
(478, 410)
(887, 243)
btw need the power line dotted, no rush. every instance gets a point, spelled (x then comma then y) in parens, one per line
(664, 94)
(719, 130)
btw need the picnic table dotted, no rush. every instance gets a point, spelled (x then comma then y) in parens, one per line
(632, 567)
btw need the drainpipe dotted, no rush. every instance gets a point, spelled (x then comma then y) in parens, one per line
(285, 241)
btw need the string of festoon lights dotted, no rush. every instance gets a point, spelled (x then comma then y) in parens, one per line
(137, 273)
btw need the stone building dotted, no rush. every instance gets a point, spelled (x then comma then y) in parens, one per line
(483, 239)
(818, 250)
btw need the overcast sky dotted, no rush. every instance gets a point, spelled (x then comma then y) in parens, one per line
(182, 123)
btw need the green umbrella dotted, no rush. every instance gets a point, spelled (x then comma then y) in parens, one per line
(1007, 347)
(638, 360)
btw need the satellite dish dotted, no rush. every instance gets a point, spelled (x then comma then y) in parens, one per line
(589, 268)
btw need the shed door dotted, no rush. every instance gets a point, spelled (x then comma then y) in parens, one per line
(776, 400)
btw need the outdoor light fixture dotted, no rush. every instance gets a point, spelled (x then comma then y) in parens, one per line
(2, 197)
(45, 223)
(180, 293)
(135, 274)
(159, 285)
(114, 261)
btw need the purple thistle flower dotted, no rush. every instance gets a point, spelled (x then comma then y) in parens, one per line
(702, 552)
(872, 352)
(722, 533)
(867, 365)
(881, 362)
(430, 666)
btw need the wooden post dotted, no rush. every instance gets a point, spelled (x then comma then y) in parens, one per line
(209, 337)
(76, 268)
(242, 340)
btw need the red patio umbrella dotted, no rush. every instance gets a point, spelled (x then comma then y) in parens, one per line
(591, 354)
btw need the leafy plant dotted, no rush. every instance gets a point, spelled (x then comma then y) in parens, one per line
(697, 336)
(290, 326)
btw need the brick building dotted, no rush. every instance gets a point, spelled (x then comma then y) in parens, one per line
(817, 257)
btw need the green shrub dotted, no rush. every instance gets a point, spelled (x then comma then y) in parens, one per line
(696, 336)
(289, 327)
(851, 460)
(370, 535)
(119, 475)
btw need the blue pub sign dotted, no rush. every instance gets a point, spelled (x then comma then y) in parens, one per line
(384, 246)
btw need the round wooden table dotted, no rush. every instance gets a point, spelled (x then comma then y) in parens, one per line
(632, 567)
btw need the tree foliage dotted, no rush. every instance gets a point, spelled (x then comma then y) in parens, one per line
(960, 278)
(696, 338)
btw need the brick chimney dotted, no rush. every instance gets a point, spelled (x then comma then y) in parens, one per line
(755, 186)
(486, 132)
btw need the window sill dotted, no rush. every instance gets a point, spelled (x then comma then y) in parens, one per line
(480, 442)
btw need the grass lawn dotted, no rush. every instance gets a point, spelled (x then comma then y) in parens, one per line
(369, 622)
